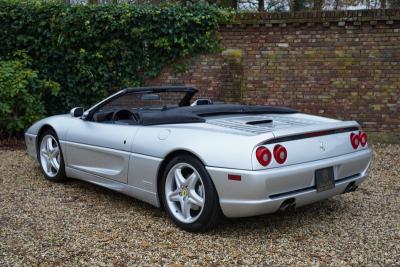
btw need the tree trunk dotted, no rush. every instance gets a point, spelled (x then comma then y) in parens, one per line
(383, 3)
(261, 6)
(94, 1)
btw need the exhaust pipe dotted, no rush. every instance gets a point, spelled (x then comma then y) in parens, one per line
(351, 187)
(288, 204)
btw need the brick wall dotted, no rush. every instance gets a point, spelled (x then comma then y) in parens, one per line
(338, 64)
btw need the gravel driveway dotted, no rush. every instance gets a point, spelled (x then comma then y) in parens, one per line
(76, 223)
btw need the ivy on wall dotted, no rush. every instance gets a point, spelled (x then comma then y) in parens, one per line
(92, 51)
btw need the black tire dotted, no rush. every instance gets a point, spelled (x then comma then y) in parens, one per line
(211, 213)
(60, 176)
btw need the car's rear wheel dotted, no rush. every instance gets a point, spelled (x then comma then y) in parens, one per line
(188, 194)
(50, 157)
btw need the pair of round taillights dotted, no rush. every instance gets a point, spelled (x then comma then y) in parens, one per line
(358, 139)
(264, 156)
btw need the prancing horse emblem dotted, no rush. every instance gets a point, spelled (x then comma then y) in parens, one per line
(322, 145)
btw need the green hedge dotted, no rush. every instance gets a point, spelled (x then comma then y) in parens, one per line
(21, 95)
(95, 50)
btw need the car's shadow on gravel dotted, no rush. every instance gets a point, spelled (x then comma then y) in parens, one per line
(318, 213)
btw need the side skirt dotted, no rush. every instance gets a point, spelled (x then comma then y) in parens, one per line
(138, 193)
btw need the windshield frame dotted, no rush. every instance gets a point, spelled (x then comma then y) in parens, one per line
(185, 101)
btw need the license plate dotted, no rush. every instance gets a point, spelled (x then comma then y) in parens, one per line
(324, 179)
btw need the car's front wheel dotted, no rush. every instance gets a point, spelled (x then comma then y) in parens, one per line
(50, 157)
(189, 195)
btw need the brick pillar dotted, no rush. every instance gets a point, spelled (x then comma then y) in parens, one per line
(232, 75)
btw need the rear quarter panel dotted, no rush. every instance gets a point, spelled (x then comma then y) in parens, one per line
(213, 145)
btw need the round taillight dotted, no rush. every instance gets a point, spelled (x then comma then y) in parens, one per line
(363, 138)
(280, 154)
(263, 155)
(355, 140)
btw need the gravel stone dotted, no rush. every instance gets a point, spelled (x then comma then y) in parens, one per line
(77, 223)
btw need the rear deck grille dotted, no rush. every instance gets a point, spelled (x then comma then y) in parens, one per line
(260, 124)
(240, 126)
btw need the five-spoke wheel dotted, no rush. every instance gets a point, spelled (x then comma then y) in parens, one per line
(50, 157)
(189, 194)
(185, 192)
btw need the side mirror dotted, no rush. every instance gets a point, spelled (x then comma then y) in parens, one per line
(76, 112)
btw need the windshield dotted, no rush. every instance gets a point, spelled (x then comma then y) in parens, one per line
(142, 99)
(146, 100)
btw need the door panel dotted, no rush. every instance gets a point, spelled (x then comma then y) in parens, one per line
(100, 148)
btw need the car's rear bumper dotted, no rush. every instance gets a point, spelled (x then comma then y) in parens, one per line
(261, 192)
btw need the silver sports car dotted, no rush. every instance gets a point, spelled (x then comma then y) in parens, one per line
(201, 160)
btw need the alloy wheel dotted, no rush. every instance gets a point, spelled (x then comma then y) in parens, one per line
(50, 156)
(184, 192)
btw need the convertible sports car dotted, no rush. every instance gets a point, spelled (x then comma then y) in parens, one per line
(201, 160)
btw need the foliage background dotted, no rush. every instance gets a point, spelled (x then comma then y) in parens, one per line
(92, 51)
(21, 93)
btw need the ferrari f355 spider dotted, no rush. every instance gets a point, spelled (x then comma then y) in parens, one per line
(202, 160)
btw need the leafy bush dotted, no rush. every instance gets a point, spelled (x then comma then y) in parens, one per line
(95, 50)
(21, 94)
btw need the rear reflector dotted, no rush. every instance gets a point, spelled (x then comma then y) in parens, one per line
(234, 177)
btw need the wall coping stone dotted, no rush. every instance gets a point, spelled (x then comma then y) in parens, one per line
(323, 17)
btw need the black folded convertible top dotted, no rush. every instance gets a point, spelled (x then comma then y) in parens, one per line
(189, 114)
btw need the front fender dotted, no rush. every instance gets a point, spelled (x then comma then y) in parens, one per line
(59, 123)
